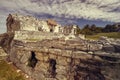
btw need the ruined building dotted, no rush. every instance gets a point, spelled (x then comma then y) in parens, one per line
(43, 51)
(32, 24)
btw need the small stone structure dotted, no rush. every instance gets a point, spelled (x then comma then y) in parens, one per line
(46, 55)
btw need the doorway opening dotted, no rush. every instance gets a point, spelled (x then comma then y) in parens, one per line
(52, 67)
(32, 60)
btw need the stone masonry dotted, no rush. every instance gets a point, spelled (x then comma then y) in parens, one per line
(45, 61)
(32, 24)
(58, 59)
(52, 56)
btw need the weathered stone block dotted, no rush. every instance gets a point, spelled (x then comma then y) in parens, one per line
(61, 77)
(68, 59)
(25, 58)
(66, 53)
(78, 54)
(46, 58)
(41, 65)
(39, 56)
(41, 70)
(62, 61)
(61, 67)
(41, 50)
(44, 49)
(38, 75)
(55, 51)
(61, 71)
(52, 56)
(58, 51)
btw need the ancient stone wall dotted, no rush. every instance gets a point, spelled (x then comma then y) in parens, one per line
(56, 64)
(43, 60)
(39, 35)
(29, 23)
(35, 35)
(17, 22)
(60, 59)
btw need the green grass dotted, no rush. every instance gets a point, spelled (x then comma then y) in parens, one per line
(109, 35)
(8, 72)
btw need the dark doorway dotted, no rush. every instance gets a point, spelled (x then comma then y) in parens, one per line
(32, 60)
(52, 68)
(51, 30)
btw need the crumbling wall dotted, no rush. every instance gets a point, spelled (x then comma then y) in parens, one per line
(36, 35)
(57, 64)
(60, 59)
(41, 62)
(17, 22)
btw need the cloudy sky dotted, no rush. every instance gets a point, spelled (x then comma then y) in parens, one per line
(81, 12)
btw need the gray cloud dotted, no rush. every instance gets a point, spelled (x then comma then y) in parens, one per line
(105, 10)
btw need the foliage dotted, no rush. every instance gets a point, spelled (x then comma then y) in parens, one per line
(78, 30)
(93, 29)
(90, 30)
(110, 28)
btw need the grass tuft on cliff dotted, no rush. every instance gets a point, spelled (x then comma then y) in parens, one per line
(7, 72)
(109, 35)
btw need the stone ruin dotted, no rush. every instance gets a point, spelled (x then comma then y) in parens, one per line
(32, 24)
(43, 55)
(18, 23)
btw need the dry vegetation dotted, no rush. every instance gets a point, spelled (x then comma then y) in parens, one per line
(109, 35)
(8, 72)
